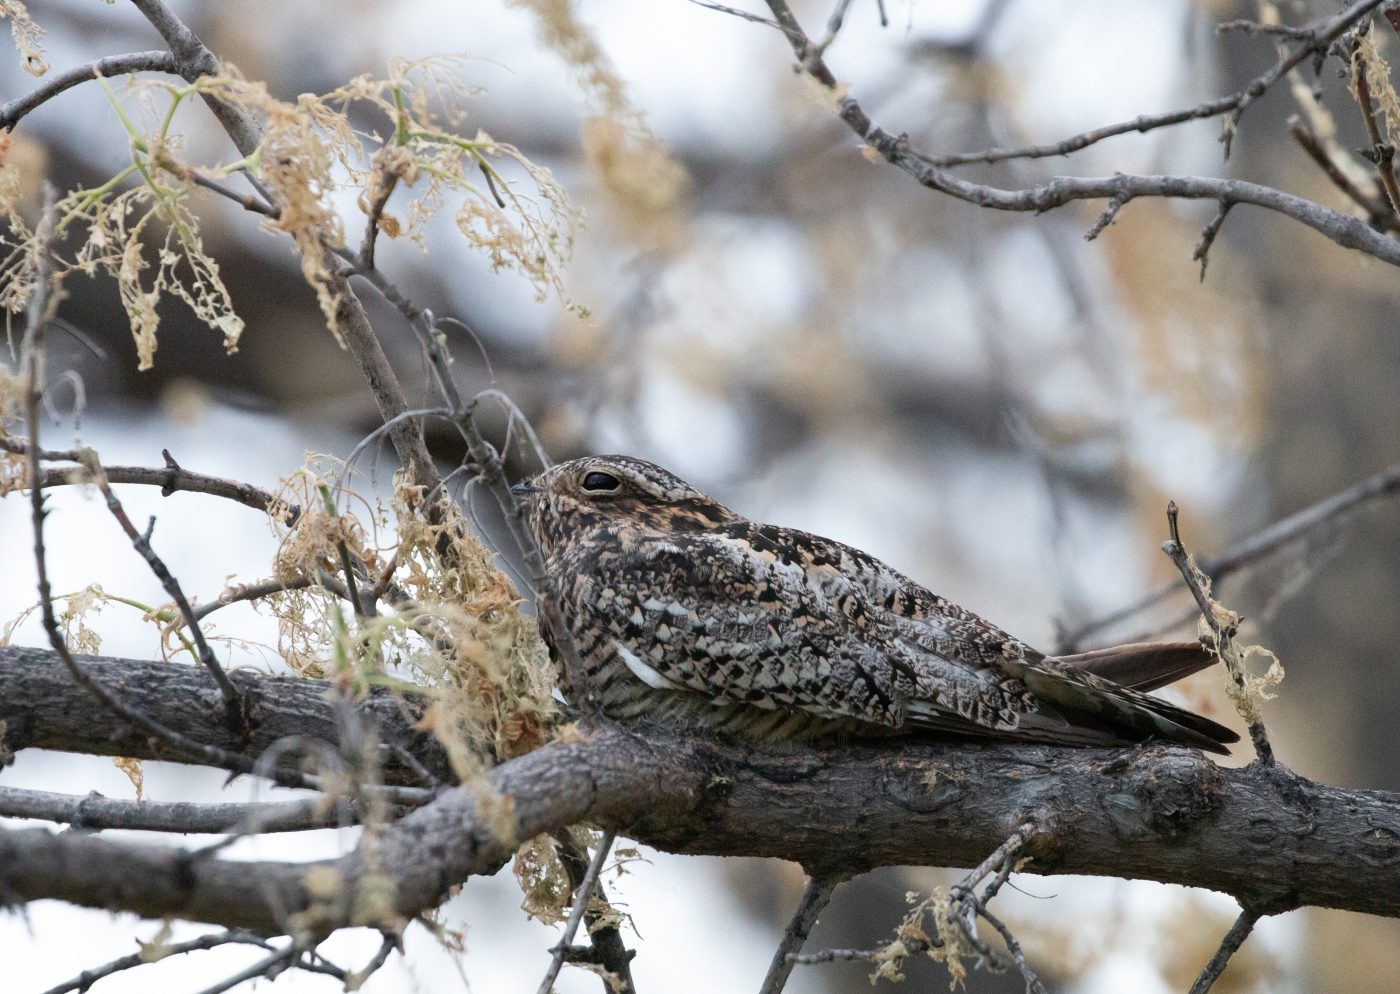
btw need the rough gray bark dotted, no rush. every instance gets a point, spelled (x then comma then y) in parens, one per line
(1271, 839)
(44, 709)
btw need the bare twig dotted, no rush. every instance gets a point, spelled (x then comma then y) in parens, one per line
(251, 592)
(581, 899)
(113, 65)
(1314, 39)
(170, 479)
(1342, 228)
(605, 948)
(98, 812)
(1234, 938)
(247, 201)
(1222, 646)
(1381, 215)
(832, 955)
(1033, 982)
(814, 899)
(384, 183)
(1202, 250)
(1250, 550)
(233, 701)
(1255, 28)
(87, 978)
(387, 945)
(1384, 153)
(268, 967)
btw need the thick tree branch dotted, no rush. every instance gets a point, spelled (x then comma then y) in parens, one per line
(1271, 839)
(44, 709)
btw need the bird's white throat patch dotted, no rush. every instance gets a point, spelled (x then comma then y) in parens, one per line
(643, 672)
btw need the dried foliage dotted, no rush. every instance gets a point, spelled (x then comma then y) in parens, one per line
(308, 152)
(638, 171)
(457, 629)
(26, 34)
(543, 880)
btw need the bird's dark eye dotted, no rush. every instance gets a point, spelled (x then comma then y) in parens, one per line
(600, 481)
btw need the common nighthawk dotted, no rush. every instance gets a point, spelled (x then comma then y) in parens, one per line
(686, 613)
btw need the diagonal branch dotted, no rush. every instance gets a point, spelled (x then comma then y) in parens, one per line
(113, 65)
(581, 899)
(814, 899)
(1342, 228)
(232, 702)
(1252, 549)
(1313, 40)
(1222, 644)
(1234, 938)
(87, 978)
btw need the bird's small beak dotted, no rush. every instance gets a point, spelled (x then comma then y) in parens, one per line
(521, 489)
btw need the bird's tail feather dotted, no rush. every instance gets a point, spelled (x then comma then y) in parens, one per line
(1143, 666)
(1127, 711)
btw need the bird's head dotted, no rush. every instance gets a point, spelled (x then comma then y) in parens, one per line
(629, 495)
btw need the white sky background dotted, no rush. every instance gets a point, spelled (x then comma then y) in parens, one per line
(965, 525)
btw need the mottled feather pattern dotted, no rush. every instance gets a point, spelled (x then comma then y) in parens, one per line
(687, 612)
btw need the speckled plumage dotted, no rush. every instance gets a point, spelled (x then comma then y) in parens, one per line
(684, 611)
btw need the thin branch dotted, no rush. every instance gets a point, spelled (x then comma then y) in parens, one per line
(265, 967)
(232, 700)
(832, 955)
(384, 183)
(1341, 228)
(1222, 646)
(251, 592)
(170, 479)
(113, 65)
(1382, 153)
(354, 981)
(97, 812)
(833, 27)
(87, 978)
(1254, 548)
(247, 201)
(1313, 40)
(581, 899)
(1234, 938)
(1033, 982)
(815, 898)
(1202, 250)
(1255, 28)
(1382, 216)
(605, 946)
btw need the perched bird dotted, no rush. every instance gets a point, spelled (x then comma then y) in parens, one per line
(687, 613)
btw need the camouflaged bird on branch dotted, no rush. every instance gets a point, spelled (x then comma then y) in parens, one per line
(686, 613)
